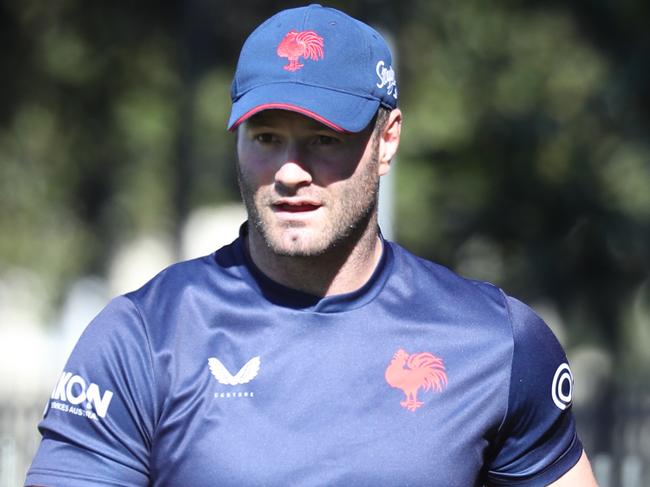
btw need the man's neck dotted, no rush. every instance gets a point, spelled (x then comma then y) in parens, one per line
(343, 269)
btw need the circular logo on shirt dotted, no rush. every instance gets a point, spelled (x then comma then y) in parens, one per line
(562, 388)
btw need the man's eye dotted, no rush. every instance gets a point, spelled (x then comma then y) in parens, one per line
(326, 140)
(266, 138)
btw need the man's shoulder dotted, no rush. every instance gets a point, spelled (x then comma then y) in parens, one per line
(194, 275)
(441, 280)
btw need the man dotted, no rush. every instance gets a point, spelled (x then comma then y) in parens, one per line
(311, 351)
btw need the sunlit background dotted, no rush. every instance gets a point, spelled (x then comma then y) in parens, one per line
(525, 161)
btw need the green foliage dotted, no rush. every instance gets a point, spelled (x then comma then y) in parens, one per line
(513, 163)
(213, 147)
(524, 157)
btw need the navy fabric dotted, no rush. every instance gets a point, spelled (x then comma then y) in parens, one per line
(317, 409)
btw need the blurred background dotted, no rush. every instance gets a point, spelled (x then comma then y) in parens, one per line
(525, 161)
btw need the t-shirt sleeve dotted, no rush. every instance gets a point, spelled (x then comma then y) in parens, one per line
(537, 440)
(98, 425)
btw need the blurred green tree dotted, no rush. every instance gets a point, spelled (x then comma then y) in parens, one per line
(525, 156)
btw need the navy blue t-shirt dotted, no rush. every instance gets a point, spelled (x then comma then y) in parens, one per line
(212, 374)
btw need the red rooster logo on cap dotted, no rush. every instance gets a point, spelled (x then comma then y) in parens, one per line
(413, 372)
(306, 44)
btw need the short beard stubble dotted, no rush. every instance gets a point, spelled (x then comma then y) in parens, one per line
(351, 213)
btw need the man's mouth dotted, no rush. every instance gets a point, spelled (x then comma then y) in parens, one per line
(295, 206)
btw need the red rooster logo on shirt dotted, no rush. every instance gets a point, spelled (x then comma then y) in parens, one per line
(306, 44)
(411, 373)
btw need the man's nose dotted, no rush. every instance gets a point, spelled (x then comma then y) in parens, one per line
(294, 171)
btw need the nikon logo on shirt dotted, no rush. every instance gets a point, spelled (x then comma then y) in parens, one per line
(74, 395)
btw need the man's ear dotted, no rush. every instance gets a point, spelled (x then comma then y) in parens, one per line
(389, 140)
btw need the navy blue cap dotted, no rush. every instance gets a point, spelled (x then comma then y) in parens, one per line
(316, 61)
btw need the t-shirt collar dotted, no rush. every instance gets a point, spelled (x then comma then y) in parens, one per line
(290, 298)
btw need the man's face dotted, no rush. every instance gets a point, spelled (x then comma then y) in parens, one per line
(306, 187)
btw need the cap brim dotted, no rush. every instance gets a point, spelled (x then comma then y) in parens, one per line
(340, 111)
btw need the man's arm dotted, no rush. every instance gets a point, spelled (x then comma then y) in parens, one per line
(579, 476)
(538, 443)
(111, 369)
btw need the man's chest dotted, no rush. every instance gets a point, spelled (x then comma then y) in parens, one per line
(335, 405)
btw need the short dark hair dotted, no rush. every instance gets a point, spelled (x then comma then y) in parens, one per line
(381, 118)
